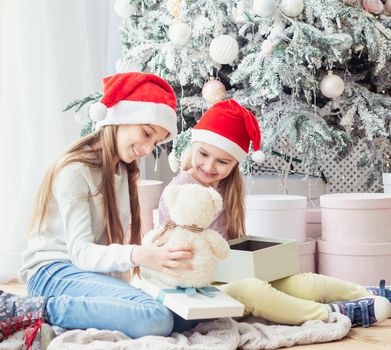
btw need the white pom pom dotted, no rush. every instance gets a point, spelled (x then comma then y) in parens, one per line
(258, 157)
(97, 111)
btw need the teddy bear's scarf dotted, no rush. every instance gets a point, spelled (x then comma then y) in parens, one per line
(170, 225)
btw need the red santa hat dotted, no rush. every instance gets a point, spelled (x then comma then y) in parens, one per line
(232, 128)
(136, 98)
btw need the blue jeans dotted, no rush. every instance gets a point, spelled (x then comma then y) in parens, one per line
(82, 299)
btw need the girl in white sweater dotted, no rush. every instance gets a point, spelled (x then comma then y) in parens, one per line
(81, 243)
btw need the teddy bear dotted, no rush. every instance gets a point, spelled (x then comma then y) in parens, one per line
(192, 209)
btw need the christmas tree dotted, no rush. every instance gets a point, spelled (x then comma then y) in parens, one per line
(316, 73)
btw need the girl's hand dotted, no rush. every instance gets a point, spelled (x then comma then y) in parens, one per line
(164, 259)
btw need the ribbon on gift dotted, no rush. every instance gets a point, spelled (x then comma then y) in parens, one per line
(207, 291)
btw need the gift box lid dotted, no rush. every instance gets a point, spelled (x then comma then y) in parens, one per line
(213, 304)
(356, 201)
(275, 202)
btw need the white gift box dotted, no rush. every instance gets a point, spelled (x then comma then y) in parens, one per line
(265, 258)
(277, 216)
(197, 306)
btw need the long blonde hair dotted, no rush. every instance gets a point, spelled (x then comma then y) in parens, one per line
(101, 154)
(232, 189)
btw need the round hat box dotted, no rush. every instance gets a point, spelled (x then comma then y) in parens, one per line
(277, 216)
(356, 217)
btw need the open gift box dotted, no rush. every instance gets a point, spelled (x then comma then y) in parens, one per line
(265, 258)
(209, 302)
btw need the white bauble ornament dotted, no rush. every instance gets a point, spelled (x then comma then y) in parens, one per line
(224, 49)
(179, 33)
(124, 8)
(332, 85)
(292, 8)
(213, 91)
(264, 8)
(267, 48)
(174, 7)
(173, 162)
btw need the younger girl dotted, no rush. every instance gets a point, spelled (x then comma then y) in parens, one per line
(80, 241)
(220, 141)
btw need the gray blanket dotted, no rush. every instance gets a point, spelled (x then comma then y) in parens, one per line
(222, 334)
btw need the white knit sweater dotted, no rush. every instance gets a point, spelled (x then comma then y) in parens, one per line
(73, 230)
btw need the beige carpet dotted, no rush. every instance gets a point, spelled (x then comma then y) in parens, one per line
(373, 338)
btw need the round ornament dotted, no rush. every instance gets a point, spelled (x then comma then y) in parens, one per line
(332, 85)
(292, 8)
(264, 8)
(224, 49)
(267, 47)
(124, 9)
(174, 7)
(213, 91)
(373, 6)
(179, 33)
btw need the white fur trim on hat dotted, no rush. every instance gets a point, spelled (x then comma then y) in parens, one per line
(199, 135)
(140, 112)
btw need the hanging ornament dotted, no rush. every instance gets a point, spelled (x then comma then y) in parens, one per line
(125, 9)
(292, 8)
(346, 41)
(332, 85)
(179, 33)
(264, 8)
(213, 91)
(373, 6)
(174, 7)
(267, 48)
(224, 49)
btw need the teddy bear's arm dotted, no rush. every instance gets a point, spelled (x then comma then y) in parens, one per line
(218, 244)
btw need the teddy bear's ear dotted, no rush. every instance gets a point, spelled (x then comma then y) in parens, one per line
(216, 198)
(170, 194)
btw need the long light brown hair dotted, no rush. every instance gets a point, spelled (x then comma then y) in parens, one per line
(102, 154)
(232, 189)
